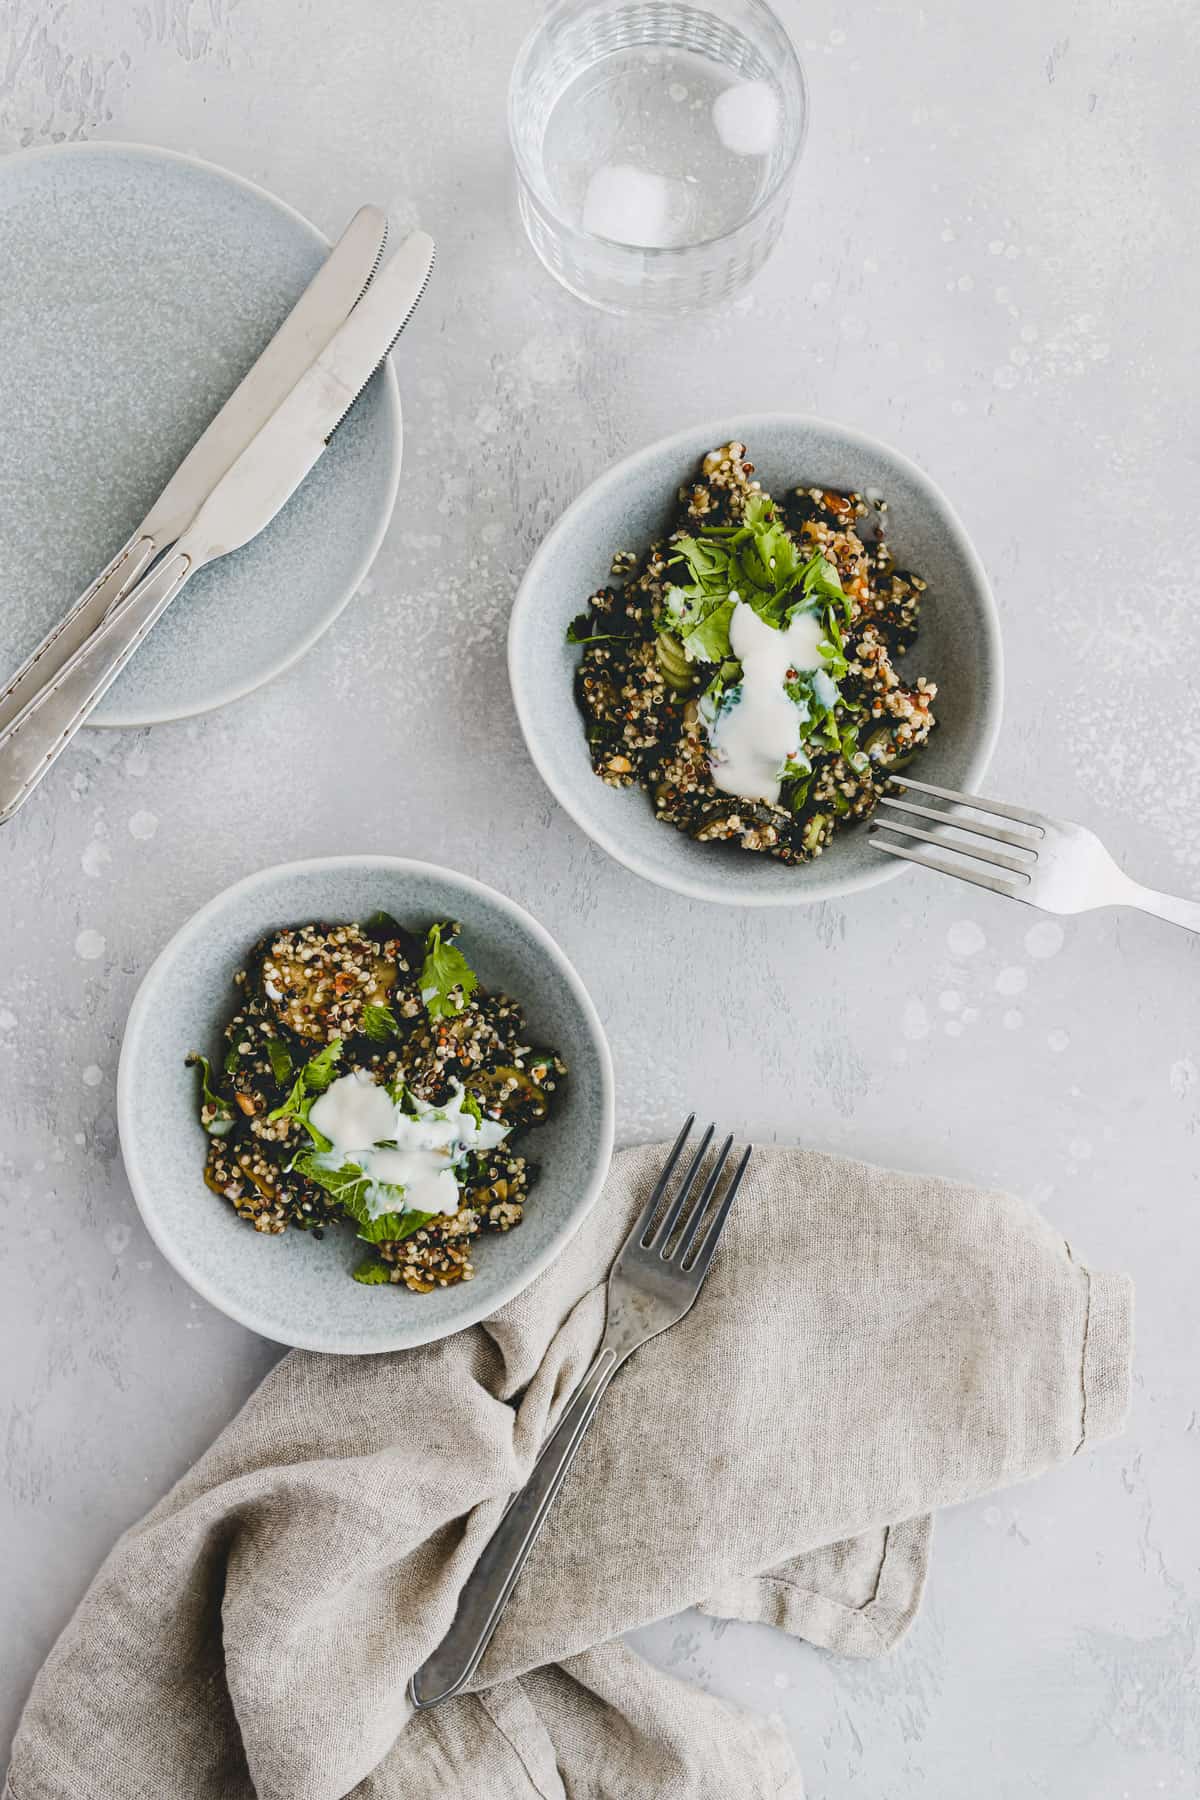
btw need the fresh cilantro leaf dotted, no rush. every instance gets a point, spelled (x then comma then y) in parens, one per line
(708, 641)
(379, 1022)
(280, 1058)
(312, 1081)
(578, 632)
(216, 1114)
(447, 978)
(320, 1071)
(373, 1273)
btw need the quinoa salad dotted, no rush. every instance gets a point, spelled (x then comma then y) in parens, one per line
(743, 669)
(367, 1078)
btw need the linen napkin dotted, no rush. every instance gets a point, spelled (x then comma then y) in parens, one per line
(869, 1346)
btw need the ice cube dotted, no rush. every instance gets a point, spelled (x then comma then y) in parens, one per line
(746, 117)
(631, 206)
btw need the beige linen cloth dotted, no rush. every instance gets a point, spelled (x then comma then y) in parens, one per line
(869, 1346)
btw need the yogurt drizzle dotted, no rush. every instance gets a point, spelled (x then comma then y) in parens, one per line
(393, 1149)
(752, 739)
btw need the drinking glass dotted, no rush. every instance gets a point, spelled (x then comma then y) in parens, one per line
(655, 145)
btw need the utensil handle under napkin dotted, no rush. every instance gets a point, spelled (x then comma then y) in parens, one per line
(47, 723)
(488, 1587)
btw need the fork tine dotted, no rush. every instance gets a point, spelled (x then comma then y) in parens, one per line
(977, 828)
(975, 852)
(964, 872)
(701, 1206)
(704, 1255)
(1019, 813)
(659, 1240)
(660, 1187)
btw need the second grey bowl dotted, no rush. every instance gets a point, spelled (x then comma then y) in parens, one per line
(631, 505)
(295, 1288)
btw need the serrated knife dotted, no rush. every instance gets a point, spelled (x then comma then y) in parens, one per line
(337, 286)
(256, 485)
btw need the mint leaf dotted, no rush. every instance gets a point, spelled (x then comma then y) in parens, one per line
(379, 1022)
(352, 1188)
(445, 974)
(280, 1058)
(216, 1114)
(373, 1273)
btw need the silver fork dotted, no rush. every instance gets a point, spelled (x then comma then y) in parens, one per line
(659, 1270)
(1024, 855)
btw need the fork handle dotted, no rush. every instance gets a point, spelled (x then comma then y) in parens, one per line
(1166, 906)
(45, 725)
(487, 1589)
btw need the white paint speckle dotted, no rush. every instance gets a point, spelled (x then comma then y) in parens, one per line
(965, 938)
(79, 1138)
(143, 825)
(1058, 1041)
(1012, 981)
(8, 1019)
(117, 1239)
(93, 1075)
(90, 945)
(1044, 939)
(915, 1024)
(1183, 1077)
(1013, 1020)
(953, 1028)
(95, 858)
(781, 1681)
(1079, 1150)
(950, 1001)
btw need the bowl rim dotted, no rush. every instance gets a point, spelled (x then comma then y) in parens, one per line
(742, 428)
(138, 717)
(136, 1166)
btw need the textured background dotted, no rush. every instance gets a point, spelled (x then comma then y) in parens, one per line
(991, 261)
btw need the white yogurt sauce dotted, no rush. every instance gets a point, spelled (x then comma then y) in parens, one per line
(359, 1117)
(751, 740)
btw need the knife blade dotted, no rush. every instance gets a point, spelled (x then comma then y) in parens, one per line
(334, 290)
(257, 484)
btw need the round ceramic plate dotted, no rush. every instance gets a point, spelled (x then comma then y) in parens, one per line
(295, 1288)
(632, 505)
(138, 288)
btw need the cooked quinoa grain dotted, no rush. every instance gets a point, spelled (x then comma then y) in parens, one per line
(650, 692)
(405, 1013)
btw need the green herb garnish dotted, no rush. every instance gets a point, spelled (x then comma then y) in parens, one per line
(352, 1187)
(379, 1022)
(280, 1058)
(312, 1081)
(216, 1114)
(373, 1274)
(447, 978)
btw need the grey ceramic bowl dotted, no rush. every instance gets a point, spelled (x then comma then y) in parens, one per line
(626, 509)
(293, 1288)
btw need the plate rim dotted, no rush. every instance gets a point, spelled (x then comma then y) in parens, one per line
(133, 720)
(134, 1166)
(737, 892)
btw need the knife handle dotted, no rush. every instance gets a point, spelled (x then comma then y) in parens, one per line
(73, 629)
(47, 722)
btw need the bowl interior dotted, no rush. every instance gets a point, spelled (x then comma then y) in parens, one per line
(294, 1288)
(626, 509)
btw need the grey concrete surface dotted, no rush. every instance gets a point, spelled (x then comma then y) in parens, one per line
(991, 262)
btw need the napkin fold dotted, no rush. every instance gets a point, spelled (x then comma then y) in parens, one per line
(869, 1346)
